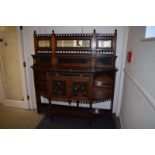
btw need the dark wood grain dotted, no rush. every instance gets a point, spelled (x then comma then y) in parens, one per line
(74, 74)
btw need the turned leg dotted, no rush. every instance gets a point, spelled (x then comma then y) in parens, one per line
(77, 104)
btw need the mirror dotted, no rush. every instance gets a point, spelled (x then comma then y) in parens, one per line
(104, 43)
(73, 43)
(44, 43)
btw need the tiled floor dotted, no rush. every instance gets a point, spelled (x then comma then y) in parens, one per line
(13, 118)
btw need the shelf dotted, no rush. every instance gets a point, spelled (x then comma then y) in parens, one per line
(90, 70)
(103, 80)
(102, 93)
(73, 54)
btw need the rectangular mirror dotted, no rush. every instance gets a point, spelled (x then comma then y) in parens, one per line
(104, 43)
(73, 43)
(44, 43)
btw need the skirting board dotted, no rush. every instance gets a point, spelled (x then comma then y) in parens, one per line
(118, 123)
(143, 91)
(15, 104)
(121, 123)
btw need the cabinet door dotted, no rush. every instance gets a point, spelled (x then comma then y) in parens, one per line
(58, 87)
(80, 88)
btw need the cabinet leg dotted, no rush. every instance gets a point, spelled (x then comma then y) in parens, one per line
(50, 108)
(38, 109)
(77, 104)
(111, 114)
(90, 115)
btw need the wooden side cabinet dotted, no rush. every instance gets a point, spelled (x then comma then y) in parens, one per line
(74, 68)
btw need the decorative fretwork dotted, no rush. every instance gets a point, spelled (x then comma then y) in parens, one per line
(73, 52)
(104, 52)
(44, 35)
(74, 35)
(101, 100)
(44, 52)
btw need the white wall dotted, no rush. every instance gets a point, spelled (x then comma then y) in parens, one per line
(138, 103)
(29, 49)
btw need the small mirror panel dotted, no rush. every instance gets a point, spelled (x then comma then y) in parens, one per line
(44, 43)
(104, 43)
(73, 43)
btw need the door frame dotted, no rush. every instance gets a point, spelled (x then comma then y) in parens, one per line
(123, 63)
(14, 103)
(1, 85)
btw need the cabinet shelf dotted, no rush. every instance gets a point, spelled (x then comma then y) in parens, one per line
(103, 81)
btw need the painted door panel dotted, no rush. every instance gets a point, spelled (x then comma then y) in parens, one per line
(13, 79)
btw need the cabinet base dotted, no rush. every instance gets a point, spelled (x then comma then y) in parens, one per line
(80, 112)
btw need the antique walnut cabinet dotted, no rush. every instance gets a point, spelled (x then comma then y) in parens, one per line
(78, 69)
